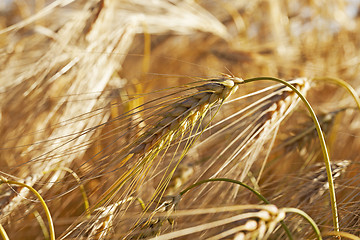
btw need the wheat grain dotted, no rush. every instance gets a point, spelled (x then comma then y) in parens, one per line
(181, 118)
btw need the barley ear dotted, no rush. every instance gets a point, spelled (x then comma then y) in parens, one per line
(322, 143)
(184, 114)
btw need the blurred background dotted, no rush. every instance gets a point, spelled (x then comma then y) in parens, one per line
(69, 66)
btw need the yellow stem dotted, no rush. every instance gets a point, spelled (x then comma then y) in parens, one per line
(47, 212)
(322, 143)
(3, 233)
(343, 84)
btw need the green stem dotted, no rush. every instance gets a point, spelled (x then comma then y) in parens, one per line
(343, 84)
(307, 218)
(47, 212)
(261, 197)
(322, 142)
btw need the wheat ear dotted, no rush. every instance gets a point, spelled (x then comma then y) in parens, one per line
(98, 227)
(179, 119)
(175, 121)
(322, 143)
(265, 116)
(184, 114)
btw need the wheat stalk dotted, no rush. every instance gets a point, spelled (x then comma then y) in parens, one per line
(74, 52)
(309, 187)
(45, 63)
(239, 153)
(180, 118)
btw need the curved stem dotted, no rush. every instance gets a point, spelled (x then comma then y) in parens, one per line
(307, 218)
(81, 187)
(42, 225)
(3, 233)
(47, 212)
(261, 197)
(322, 143)
(343, 84)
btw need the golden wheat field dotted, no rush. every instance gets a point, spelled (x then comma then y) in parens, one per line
(179, 119)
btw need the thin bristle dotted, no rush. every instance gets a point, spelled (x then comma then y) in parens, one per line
(162, 119)
(184, 114)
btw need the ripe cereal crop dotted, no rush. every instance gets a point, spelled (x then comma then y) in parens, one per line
(179, 119)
